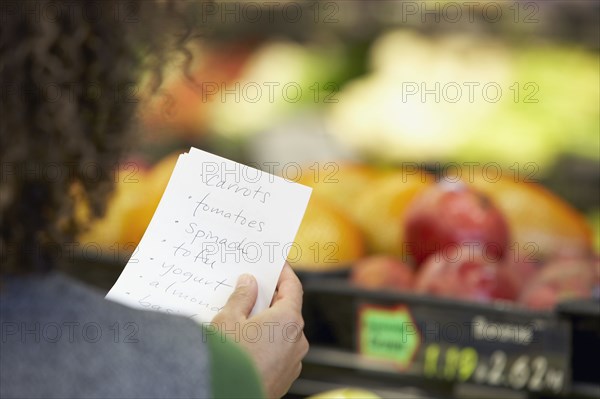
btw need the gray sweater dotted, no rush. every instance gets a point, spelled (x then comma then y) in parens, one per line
(62, 339)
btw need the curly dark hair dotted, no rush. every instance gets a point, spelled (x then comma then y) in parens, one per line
(68, 76)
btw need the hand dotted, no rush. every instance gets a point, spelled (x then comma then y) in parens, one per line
(274, 337)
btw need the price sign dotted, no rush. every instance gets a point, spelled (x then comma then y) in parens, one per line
(496, 348)
(388, 334)
(533, 373)
(521, 354)
(444, 340)
(453, 364)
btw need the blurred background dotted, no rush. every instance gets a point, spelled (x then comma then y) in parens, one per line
(391, 84)
(373, 102)
(339, 93)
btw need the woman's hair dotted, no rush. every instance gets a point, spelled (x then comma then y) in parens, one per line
(69, 75)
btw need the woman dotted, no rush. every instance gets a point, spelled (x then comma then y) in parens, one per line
(69, 72)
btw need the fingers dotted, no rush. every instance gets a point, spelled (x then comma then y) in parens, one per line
(242, 300)
(302, 350)
(293, 368)
(289, 289)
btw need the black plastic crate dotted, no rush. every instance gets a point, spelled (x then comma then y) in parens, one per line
(439, 343)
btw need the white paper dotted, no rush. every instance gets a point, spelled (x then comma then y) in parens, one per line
(217, 219)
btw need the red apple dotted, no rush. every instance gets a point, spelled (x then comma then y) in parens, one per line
(453, 213)
(382, 271)
(522, 271)
(560, 279)
(463, 272)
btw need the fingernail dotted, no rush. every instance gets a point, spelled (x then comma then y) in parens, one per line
(244, 280)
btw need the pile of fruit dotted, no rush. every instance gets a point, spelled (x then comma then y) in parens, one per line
(481, 237)
(474, 235)
(138, 190)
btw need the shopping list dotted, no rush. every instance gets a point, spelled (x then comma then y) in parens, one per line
(216, 220)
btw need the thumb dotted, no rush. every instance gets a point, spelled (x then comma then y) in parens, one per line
(243, 298)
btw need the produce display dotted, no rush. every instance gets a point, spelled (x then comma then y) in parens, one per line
(477, 239)
(469, 97)
(473, 239)
(430, 148)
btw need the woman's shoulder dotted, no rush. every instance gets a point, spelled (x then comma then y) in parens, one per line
(77, 341)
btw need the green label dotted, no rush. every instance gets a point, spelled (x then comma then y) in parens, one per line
(388, 334)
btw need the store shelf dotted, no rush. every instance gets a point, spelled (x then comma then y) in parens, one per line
(445, 346)
(565, 343)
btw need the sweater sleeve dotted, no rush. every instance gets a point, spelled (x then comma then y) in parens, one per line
(233, 374)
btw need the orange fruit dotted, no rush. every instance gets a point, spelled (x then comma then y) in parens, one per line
(340, 183)
(126, 197)
(381, 207)
(138, 201)
(541, 224)
(326, 240)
